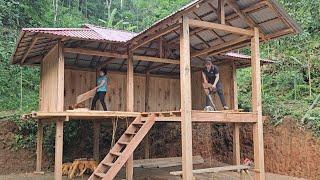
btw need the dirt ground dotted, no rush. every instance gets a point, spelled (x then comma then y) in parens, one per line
(289, 149)
(155, 174)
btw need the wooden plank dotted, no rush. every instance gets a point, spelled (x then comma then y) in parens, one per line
(258, 147)
(58, 151)
(164, 162)
(95, 53)
(214, 170)
(155, 36)
(221, 27)
(39, 146)
(227, 117)
(103, 114)
(221, 11)
(156, 59)
(33, 42)
(85, 96)
(185, 80)
(130, 108)
(96, 140)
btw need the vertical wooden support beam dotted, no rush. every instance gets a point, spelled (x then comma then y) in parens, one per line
(60, 84)
(39, 146)
(221, 12)
(58, 151)
(130, 108)
(59, 108)
(96, 140)
(236, 130)
(257, 108)
(146, 138)
(185, 83)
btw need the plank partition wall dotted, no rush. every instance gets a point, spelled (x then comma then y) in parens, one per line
(163, 92)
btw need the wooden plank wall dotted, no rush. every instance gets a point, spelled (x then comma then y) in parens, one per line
(164, 93)
(198, 94)
(49, 82)
(77, 82)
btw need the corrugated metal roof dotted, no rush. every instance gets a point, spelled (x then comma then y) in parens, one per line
(89, 32)
(266, 14)
(112, 34)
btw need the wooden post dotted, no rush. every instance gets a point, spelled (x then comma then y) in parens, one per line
(185, 82)
(60, 84)
(130, 108)
(257, 108)
(59, 108)
(146, 138)
(58, 150)
(96, 137)
(236, 130)
(39, 146)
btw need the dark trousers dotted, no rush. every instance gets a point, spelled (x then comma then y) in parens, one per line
(99, 95)
(220, 93)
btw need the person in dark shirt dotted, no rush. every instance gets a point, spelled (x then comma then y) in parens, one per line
(211, 76)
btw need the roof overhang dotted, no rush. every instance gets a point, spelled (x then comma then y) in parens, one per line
(205, 40)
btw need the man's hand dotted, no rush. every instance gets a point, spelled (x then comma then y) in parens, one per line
(214, 86)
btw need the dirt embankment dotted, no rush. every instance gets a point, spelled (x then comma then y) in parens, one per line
(12, 161)
(289, 149)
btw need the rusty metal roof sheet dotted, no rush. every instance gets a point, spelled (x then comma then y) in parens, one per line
(89, 32)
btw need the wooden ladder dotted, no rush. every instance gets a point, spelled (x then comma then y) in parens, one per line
(123, 149)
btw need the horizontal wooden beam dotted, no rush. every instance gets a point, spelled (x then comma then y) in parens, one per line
(120, 56)
(216, 116)
(95, 53)
(221, 27)
(79, 114)
(156, 59)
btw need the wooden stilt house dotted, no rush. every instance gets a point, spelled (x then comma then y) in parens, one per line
(155, 75)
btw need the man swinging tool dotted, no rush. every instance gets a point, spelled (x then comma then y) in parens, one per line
(212, 84)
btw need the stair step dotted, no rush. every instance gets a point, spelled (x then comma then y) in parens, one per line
(138, 123)
(130, 133)
(123, 142)
(116, 153)
(101, 175)
(108, 164)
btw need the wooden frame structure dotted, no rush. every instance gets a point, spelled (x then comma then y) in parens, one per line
(223, 25)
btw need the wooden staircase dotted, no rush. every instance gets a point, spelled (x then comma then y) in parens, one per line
(123, 149)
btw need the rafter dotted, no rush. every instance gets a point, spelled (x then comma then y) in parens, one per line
(220, 46)
(233, 5)
(33, 42)
(155, 36)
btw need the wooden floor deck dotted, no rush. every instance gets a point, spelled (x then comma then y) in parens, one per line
(228, 116)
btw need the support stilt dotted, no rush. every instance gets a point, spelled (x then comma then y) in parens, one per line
(96, 137)
(39, 146)
(185, 78)
(58, 151)
(257, 108)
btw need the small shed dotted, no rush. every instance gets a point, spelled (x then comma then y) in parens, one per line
(155, 75)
